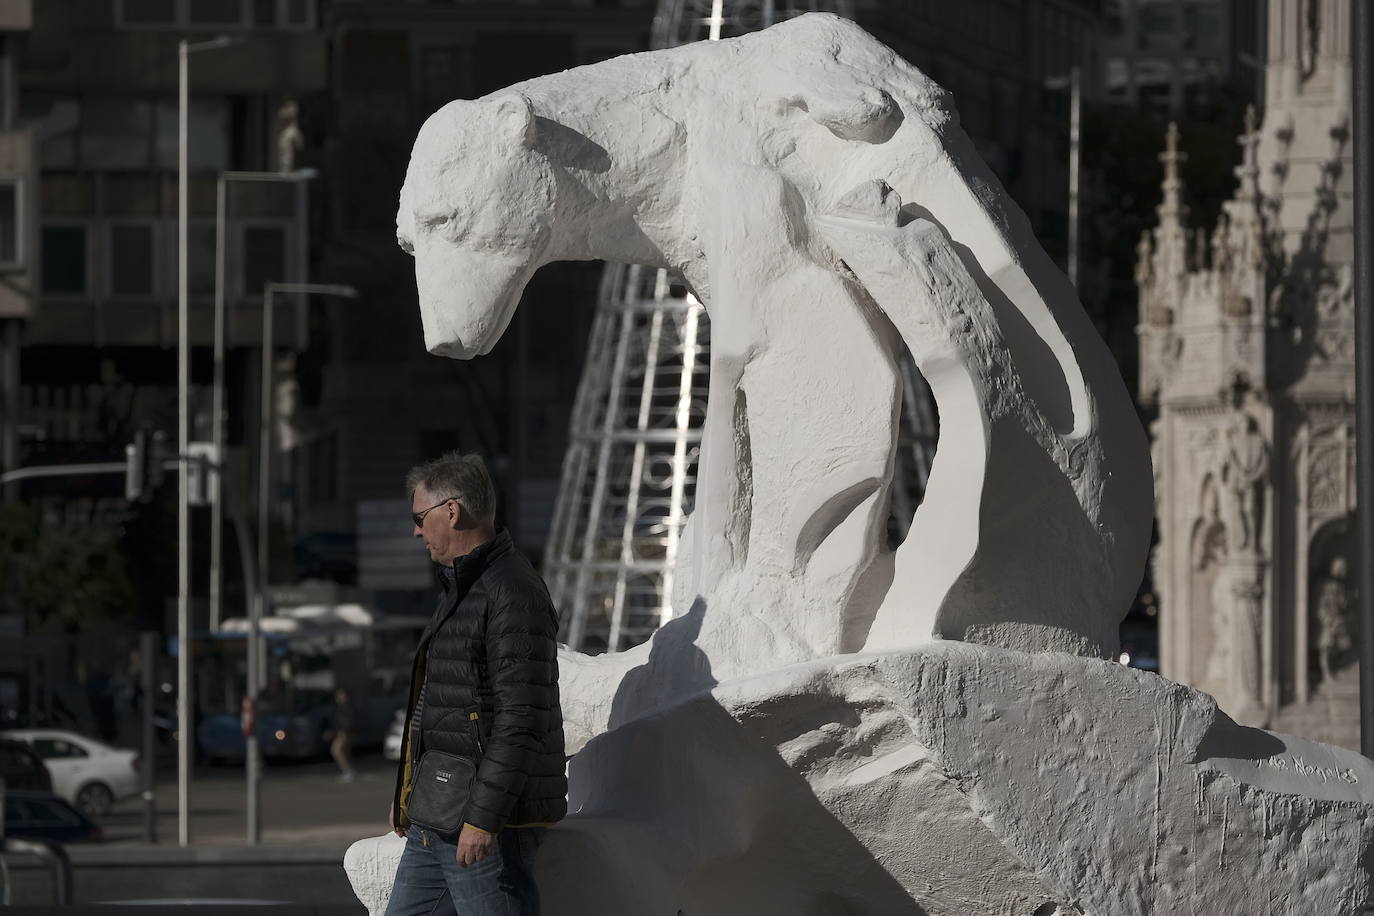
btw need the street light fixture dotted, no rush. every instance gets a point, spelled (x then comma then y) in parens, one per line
(254, 760)
(185, 726)
(299, 177)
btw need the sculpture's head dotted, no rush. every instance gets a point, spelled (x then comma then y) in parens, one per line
(476, 213)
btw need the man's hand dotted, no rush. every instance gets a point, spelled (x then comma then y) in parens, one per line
(391, 820)
(473, 845)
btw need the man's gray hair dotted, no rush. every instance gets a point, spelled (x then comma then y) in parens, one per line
(457, 476)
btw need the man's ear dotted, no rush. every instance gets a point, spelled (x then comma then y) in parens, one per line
(515, 119)
(455, 513)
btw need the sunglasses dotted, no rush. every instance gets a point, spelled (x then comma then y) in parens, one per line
(419, 517)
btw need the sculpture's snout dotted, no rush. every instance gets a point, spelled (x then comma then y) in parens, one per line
(467, 299)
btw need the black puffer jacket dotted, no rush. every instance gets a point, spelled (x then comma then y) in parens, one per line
(491, 651)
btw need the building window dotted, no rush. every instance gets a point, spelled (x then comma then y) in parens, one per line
(322, 469)
(441, 76)
(11, 222)
(208, 126)
(216, 14)
(264, 257)
(131, 260)
(64, 260)
(149, 12)
(201, 244)
(56, 123)
(116, 133)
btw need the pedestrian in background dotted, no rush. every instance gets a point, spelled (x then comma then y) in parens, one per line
(341, 745)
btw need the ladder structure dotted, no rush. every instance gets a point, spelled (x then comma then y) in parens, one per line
(629, 474)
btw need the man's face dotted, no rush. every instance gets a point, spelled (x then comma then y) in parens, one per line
(435, 529)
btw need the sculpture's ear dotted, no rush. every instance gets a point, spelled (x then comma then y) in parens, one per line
(515, 119)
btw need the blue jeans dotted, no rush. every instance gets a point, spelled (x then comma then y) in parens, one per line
(430, 882)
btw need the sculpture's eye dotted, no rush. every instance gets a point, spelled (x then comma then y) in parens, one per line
(405, 244)
(437, 221)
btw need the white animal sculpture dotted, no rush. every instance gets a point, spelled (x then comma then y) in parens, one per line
(922, 776)
(734, 163)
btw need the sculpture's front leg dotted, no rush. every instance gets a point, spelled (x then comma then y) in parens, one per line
(792, 493)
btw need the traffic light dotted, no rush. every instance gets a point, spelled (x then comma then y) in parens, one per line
(143, 461)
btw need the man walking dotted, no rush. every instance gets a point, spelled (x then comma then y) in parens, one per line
(484, 686)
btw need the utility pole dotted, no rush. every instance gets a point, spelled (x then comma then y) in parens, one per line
(185, 724)
(253, 763)
(9, 400)
(1361, 49)
(147, 652)
(299, 177)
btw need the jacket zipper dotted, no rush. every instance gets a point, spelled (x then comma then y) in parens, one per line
(477, 729)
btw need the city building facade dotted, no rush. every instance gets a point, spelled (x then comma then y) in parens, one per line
(1246, 351)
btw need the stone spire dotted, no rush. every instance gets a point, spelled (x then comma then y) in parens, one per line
(1171, 238)
(1172, 210)
(1249, 171)
(1245, 237)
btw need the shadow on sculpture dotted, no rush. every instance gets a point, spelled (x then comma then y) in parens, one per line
(1239, 742)
(676, 669)
(658, 829)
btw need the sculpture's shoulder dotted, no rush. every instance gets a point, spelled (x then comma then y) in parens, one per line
(608, 81)
(813, 39)
(818, 30)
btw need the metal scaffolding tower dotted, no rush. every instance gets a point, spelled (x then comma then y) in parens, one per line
(630, 470)
(629, 474)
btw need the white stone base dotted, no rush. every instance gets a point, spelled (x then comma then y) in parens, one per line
(951, 779)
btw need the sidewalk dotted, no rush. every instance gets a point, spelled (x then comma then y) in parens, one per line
(303, 805)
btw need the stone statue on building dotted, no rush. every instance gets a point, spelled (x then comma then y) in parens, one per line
(290, 137)
(1335, 632)
(1245, 474)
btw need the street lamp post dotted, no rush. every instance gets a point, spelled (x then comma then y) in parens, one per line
(185, 727)
(217, 392)
(254, 760)
(1075, 153)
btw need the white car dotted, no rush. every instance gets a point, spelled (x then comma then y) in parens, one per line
(88, 773)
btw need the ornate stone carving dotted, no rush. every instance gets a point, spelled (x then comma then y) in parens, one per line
(1326, 479)
(1333, 624)
(1235, 305)
(1335, 305)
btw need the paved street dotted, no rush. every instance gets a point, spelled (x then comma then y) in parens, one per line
(302, 804)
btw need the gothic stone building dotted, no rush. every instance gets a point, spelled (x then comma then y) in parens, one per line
(1246, 350)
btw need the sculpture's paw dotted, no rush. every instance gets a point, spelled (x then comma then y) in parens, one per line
(371, 868)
